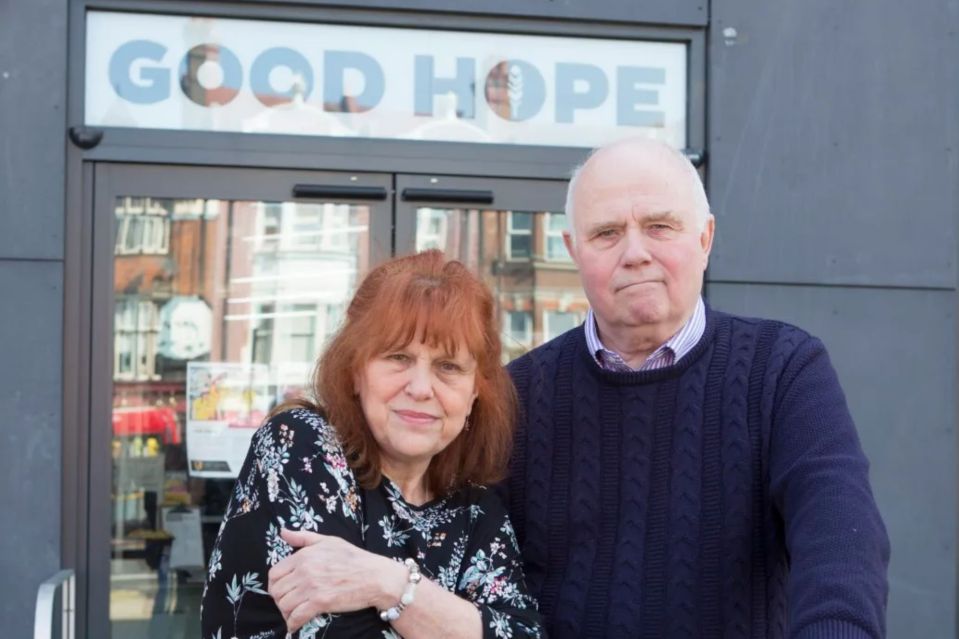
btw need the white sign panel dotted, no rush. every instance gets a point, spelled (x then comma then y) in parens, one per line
(226, 403)
(215, 74)
(184, 525)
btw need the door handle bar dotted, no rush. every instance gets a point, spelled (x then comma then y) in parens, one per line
(464, 196)
(339, 192)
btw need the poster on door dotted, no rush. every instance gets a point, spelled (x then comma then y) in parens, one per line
(226, 403)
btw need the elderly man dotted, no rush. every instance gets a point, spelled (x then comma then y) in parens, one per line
(678, 471)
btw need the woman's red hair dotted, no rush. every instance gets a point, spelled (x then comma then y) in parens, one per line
(422, 296)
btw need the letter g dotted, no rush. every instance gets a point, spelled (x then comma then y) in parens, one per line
(153, 85)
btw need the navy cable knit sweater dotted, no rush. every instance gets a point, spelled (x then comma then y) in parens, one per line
(724, 496)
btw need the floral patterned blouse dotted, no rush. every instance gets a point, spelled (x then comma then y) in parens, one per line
(295, 476)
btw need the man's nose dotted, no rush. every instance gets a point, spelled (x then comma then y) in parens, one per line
(635, 250)
(420, 384)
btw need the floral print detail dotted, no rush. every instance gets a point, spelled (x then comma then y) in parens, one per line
(215, 565)
(491, 575)
(500, 625)
(448, 575)
(276, 548)
(302, 515)
(236, 591)
(393, 536)
(481, 575)
(245, 499)
(274, 456)
(316, 627)
(424, 521)
(296, 476)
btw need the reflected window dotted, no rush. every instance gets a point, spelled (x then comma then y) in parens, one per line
(143, 227)
(263, 334)
(431, 229)
(519, 328)
(555, 323)
(332, 321)
(318, 226)
(301, 333)
(286, 332)
(137, 327)
(270, 227)
(519, 235)
(553, 227)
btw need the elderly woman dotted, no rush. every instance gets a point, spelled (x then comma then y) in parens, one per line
(365, 516)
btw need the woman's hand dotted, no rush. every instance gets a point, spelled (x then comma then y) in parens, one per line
(328, 574)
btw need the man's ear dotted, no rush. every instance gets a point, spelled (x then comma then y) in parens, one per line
(570, 245)
(706, 238)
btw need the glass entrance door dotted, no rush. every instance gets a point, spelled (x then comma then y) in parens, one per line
(510, 233)
(219, 288)
(214, 290)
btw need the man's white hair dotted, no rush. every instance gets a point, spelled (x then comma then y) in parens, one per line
(695, 183)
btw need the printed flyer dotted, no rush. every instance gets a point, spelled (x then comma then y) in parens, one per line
(226, 403)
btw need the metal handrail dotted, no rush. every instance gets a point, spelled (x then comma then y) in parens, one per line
(43, 620)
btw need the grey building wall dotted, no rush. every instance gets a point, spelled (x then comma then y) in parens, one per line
(833, 176)
(32, 97)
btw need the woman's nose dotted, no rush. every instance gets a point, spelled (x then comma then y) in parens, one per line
(420, 384)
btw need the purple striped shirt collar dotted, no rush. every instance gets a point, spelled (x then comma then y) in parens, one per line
(675, 348)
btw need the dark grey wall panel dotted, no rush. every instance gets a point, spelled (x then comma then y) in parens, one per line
(32, 162)
(678, 12)
(32, 106)
(833, 141)
(30, 460)
(895, 354)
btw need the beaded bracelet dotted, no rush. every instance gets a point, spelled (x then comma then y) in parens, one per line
(392, 614)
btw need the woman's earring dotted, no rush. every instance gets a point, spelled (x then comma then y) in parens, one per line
(466, 423)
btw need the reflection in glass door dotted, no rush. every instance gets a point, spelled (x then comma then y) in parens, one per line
(220, 308)
(511, 234)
